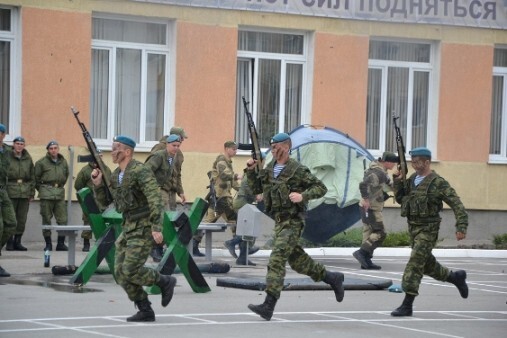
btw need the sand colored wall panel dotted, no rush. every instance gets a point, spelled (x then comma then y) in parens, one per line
(465, 112)
(206, 85)
(340, 82)
(56, 74)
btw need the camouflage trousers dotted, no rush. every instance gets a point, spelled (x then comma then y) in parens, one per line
(374, 232)
(224, 209)
(21, 206)
(422, 262)
(50, 208)
(169, 200)
(286, 248)
(7, 218)
(132, 250)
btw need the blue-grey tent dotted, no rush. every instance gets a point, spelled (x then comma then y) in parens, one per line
(339, 162)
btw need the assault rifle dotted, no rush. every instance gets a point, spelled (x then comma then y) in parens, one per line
(254, 137)
(402, 161)
(211, 197)
(94, 155)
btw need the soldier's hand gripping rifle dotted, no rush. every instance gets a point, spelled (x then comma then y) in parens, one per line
(254, 137)
(402, 161)
(211, 197)
(94, 155)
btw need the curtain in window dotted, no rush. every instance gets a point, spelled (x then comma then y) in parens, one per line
(5, 71)
(243, 89)
(420, 109)
(155, 98)
(373, 108)
(397, 102)
(268, 100)
(293, 93)
(99, 95)
(128, 92)
(495, 146)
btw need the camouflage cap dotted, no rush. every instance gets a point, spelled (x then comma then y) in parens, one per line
(230, 144)
(2, 128)
(125, 140)
(388, 156)
(178, 131)
(420, 151)
(51, 143)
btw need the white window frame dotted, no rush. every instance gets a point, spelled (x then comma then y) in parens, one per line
(14, 37)
(168, 51)
(413, 67)
(502, 157)
(304, 60)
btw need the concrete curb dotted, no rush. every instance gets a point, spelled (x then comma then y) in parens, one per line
(385, 252)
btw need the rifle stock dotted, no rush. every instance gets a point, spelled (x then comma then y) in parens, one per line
(211, 197)
(402, 162)
(94, 155)
(254, 137)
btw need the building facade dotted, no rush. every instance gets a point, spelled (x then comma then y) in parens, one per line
(140, 67)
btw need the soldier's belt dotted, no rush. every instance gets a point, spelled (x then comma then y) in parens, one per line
(136, 214)
(19, 180)
(52, 185)
(423, 220)
(284, 216)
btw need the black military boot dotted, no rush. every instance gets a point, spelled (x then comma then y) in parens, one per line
(195, 249)
(48, 246)
(405, 309)
(362, 256)
(371, 265)
(157, 252)
(145, 313)
(458, 278)
(60, 245)
(10, 244)
(166, 285)
(265, 310)
(242, 259)
(4, 273)
(17, 244)
(86, 245)
(335, 279)
(231, 245)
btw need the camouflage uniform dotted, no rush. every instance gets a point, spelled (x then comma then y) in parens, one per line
(138, 198)
(225, 181)
(83, 180)
(50, 179)
(289, 220)
(7, 214)
(244, 195)
(372, 188)
(421, 205)
(168, 176)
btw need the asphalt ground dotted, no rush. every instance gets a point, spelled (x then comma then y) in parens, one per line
(34, 303)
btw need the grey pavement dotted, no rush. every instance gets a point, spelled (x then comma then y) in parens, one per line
(34, 303)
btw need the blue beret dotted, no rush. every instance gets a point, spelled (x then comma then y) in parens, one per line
(173, 138)
(2, 128)
(51, 143)
(19, 139)
(125, 140)
(421, 151)
(280, 137)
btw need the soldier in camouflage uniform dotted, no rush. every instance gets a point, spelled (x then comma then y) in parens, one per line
(84, 180)
(51, 173)
(421, 202)
(7, 216)
(21, 189)
(167, 171)
(225, 180)
(373, 192)
(136, 195)
(287, 186)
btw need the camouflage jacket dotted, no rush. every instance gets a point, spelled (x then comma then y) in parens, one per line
(162, 145)
(295, 177)
(4, 164)
(224, 176)
(168, 176)
(422, 204)
(50, 177)
(137, 197)
(375, 182)
(21, 176)
(83, 179)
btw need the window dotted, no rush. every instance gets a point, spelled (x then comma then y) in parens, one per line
(129, 80)
(498, 135)
(399, 85)
(271, 73)
(9, 95)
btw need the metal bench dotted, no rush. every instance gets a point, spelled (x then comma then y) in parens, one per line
(71, 232)
(209, 229)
